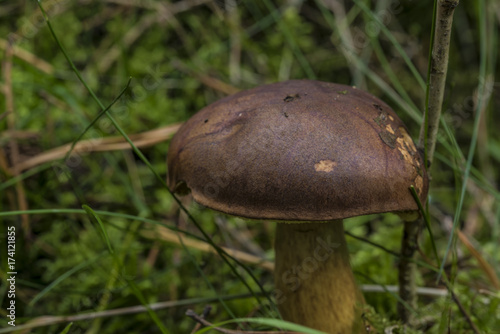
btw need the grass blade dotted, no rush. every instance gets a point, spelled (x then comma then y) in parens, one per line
(93, 217)
(99, 115)
(291, 40)
(394, 42)
(67, 328)
(118, 262)
(60, 279)
(275, 323)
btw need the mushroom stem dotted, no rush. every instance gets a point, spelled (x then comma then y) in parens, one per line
(315, 286)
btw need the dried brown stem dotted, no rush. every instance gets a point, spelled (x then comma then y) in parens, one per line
(204, 315)
(165, 234)
(427, 142)
(437, 80)
(14, 148)
(28, 57)
(143, 139)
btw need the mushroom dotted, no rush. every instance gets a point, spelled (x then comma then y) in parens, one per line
(306, 154)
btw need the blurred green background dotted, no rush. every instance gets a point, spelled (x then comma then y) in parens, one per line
(181, 56)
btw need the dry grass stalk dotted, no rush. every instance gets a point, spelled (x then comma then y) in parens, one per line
(427, 142)
(28, 57)
(140, 140)
(22, 202)
(165, 234)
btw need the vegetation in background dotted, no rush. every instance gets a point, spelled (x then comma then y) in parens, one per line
(122, 250)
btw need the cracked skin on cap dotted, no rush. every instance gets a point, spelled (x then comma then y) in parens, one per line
(298, 150)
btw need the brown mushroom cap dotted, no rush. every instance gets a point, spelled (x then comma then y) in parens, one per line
(298, 150)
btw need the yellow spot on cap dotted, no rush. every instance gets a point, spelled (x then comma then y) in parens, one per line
(419, 184)
(407, 139)
(325, 166)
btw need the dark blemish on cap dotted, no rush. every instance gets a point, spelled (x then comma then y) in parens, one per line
(388, 138)
(380, 119)
(290, 98)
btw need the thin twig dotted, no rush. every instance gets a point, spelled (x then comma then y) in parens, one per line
(431, 292)
(204, 315)
(427, 142)
(48, 320)
(372, 243)
(407, 270)
(199, 319)
(463, 310)
(143, 139)
(437, 79)
(165, 234)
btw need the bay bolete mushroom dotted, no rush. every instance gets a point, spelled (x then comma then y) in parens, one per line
(306, 154)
